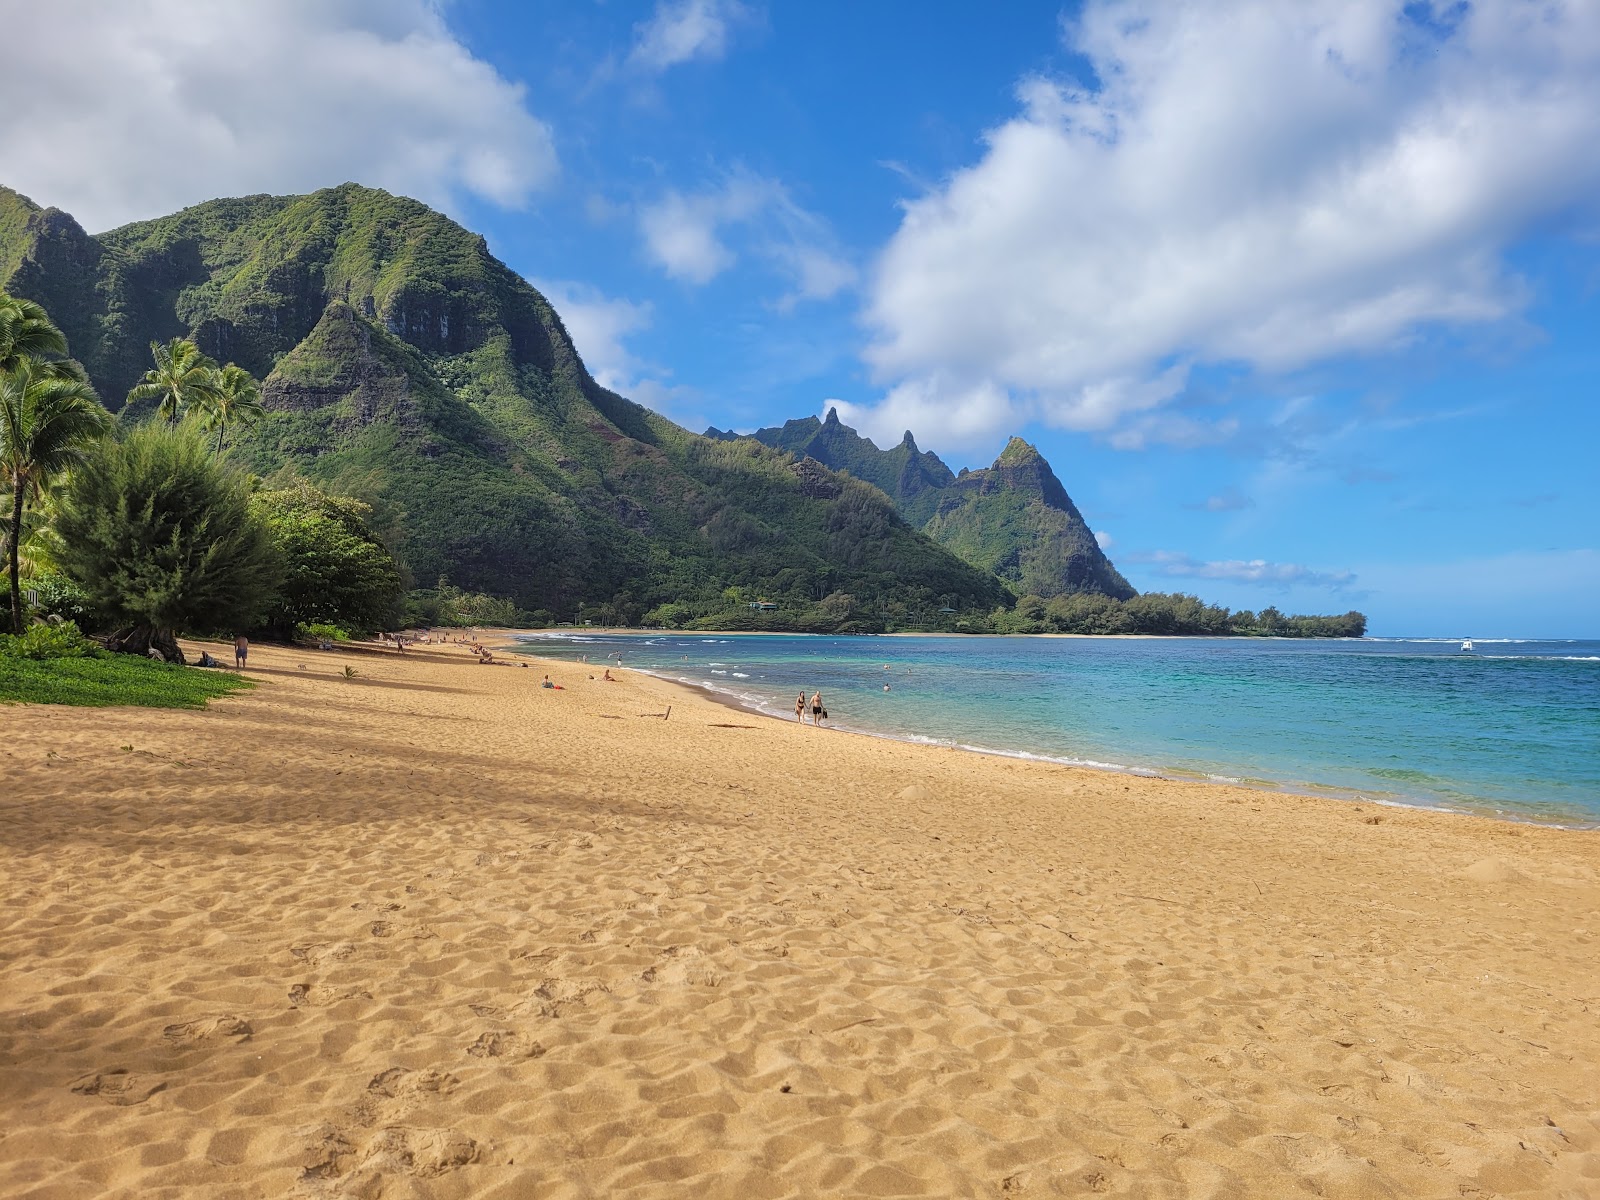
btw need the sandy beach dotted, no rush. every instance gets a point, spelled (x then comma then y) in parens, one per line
(435, 931)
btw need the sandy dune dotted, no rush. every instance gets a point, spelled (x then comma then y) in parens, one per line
(435, 931)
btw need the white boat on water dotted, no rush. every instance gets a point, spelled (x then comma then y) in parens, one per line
(1466, 645)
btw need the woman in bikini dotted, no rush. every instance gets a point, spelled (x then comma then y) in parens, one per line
(800, 708)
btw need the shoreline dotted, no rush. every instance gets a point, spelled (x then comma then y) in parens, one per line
(436, 930)
(732, 700)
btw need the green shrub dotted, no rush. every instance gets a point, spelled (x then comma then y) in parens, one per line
(320, 631)
(46, 641)
(161, 538)
(58, 596)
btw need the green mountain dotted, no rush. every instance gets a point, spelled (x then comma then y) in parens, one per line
(1014, 518)
(403, 363)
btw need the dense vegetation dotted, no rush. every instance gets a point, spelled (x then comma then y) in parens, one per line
(1163, 613)
(333, 570)
(1013, 519)
(160, 538)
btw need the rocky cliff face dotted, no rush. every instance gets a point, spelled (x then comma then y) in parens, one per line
(1014, 519)
(405, 364)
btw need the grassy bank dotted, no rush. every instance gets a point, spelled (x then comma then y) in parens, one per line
(101, 681)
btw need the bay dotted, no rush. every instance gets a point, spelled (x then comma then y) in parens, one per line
(1512, 729)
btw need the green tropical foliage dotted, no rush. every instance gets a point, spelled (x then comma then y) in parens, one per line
(334, 570)
(46, 641)
(112, 679)
(182, 381)
(26, 332)
(47, 419)
(160, 537)
(1171, 614)
(236, 400)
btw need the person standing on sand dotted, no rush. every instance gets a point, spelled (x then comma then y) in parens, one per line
(816, 709)
(800, 708)
(241, 651)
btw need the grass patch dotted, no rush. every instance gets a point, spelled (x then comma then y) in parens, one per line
(112, 679)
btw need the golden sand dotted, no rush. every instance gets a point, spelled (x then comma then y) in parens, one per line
(435, 931)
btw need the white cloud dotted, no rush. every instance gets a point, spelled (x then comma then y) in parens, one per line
(1253, 571)
(141, 107)
(1249, 182)
(682, 32)
(1105, 540)
(597, 325)
(687, 235)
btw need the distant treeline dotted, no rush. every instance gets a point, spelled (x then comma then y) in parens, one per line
(1150, 613)
(1165, 613)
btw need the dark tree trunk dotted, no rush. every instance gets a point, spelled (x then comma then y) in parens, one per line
(142, 639)
(14, 554)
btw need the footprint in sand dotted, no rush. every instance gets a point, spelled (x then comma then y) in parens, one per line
(325, 1152)
(402, 1083)
(421, 1152)
(209, 1029)
(385, 929)
(118, 1086)
(502, 1043)
(305, 995)
(316, 953)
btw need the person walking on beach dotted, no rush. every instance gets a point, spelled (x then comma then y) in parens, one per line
(800, 708)
(816, 709)
(241, 651)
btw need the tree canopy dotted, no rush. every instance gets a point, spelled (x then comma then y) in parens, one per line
(160, 537)
(48, 415)
(335, 571)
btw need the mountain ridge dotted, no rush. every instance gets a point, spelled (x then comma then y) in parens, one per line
(404, 363)
(1013, 518)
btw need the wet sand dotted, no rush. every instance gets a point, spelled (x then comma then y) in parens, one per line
(436, 931)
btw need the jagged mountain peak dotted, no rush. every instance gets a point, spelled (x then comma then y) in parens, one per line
(1018, 451)
(1013, 518)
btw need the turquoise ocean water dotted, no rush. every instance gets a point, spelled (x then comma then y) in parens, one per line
(1512, 728)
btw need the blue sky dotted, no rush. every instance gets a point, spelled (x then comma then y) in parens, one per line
(1300, 300)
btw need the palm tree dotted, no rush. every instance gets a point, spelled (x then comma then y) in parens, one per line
(26, 331)
(182, 378)
(237, 400)
(46, 422)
